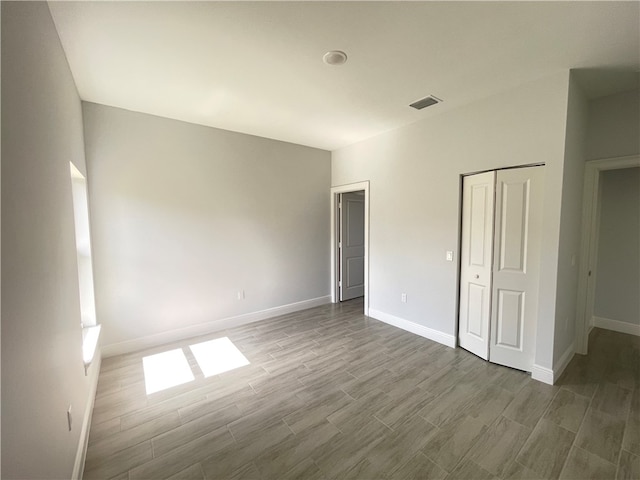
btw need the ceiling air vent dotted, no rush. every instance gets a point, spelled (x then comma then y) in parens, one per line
(425, 102)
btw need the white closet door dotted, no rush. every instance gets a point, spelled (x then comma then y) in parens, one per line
(516, 269)
(476, 262)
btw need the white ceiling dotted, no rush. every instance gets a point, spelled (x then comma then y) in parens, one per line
(256, 67)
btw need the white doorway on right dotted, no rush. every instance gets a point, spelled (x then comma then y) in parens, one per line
(500, 264)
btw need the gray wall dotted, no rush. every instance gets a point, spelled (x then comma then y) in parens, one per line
(42, 367)
(415, 190)
(570, 221)
(617, 295)
(184, 216)
(614, 123)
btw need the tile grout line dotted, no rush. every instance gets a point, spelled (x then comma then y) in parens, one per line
(575, 439)
(465, 457)
(376, 337)
(624, 433)
(533, 429)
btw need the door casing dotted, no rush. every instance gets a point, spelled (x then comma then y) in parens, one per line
(335, 191)
(589, 244)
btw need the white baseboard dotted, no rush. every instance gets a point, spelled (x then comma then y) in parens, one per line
(426, 332)
(81, 452)
(542, 374)
(548, 375)
(563, 361)
(178, 334)
(616, 325)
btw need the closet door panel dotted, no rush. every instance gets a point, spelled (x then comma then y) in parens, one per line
(476, 262)
(516, 266)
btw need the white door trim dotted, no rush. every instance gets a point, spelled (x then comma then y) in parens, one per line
(352, 187)
(589, 244)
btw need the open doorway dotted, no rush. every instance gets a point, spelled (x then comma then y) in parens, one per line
(595, 173)
(350, 243)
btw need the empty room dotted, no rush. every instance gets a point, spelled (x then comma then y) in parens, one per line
(320, 240)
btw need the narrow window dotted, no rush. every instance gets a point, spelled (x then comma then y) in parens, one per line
(90, 329)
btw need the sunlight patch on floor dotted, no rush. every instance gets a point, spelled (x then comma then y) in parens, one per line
(166, 370)
(218, 356)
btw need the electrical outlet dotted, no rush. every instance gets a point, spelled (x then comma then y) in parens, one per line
(449, 256)
(241, 295)
(403, 298)
(69, 418)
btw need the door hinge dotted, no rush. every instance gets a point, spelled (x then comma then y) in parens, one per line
(340, 283)
(339, 244)
(340, 205)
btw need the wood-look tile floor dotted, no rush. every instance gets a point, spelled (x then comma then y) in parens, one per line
(330, 393)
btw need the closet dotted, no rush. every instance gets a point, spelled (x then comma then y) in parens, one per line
(500, 264)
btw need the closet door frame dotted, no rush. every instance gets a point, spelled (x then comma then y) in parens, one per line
(461, 303)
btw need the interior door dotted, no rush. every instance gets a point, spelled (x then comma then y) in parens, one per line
(351, 245)
(476, 262)
(516, 270)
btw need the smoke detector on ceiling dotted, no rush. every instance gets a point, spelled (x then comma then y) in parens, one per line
(425, 102)
(334, 57)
